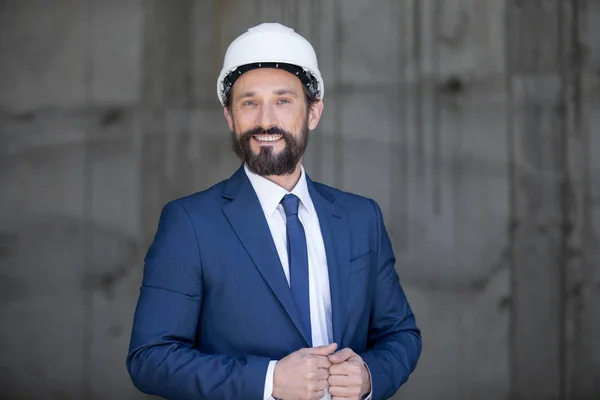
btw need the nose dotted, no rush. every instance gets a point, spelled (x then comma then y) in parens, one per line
(268, 116)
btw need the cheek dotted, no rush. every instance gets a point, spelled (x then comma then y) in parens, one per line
(292, 119)
(242, 125)
(244, 120)
(238, 127)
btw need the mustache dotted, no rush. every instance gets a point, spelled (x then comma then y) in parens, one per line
(275, 130)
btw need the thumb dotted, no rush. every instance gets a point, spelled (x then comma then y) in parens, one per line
(322, 350)
(342, 355)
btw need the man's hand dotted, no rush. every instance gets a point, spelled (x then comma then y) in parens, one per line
(348, 376)
(303, 374)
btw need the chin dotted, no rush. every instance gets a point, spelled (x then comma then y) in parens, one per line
(275, 149)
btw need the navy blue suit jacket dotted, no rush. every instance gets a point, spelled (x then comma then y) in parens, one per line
(215, 306)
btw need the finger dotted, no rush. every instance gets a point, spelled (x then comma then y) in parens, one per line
(342, 355)
(321, 350)
(345, 368)
(338, 369)
(323, 362)
(319, 394)
(342, 391)
(321, 385)
(322, 374)
(345, 380)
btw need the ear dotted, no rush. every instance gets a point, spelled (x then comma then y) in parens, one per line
(229, 118)
(314, 114)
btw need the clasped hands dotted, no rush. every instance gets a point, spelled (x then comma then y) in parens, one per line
(306, 373)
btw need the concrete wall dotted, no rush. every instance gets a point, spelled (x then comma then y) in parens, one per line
(474, 124)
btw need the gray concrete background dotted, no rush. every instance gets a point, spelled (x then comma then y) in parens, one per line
(473, 123)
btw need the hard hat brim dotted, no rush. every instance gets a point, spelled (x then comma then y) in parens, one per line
(305, 76)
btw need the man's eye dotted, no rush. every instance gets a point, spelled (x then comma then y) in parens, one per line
(249, 103)
(284, 101)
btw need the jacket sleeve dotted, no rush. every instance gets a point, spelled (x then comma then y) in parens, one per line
(394, 343)
(162, 360)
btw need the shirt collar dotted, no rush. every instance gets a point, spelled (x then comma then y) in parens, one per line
(270, 194)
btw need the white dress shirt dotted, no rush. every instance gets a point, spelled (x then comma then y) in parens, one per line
(270, 194)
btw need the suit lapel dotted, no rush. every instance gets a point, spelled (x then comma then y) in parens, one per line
(246, 217)
(336, 237)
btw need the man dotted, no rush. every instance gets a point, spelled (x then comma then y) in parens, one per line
(269, 285)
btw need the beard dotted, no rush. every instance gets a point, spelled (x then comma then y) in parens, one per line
(266, 163)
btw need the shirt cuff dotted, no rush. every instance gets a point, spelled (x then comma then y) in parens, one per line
(269, 381)
(369, 396)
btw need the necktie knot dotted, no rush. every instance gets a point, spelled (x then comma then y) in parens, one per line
(290, 204)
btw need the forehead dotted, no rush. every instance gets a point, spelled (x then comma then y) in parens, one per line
(267, 79)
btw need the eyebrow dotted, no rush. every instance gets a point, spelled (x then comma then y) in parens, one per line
(278, 92)
(245, 94)
(286, 91)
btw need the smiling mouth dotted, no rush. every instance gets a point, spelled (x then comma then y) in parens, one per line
(267, 138)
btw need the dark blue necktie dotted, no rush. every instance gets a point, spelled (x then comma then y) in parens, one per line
(298, 260)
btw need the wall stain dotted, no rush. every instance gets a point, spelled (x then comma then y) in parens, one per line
(111, 117)
(504, 303)
(454, 85)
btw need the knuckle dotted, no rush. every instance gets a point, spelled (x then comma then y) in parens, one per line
(309, 393)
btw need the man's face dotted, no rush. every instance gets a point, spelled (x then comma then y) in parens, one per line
(269, 120)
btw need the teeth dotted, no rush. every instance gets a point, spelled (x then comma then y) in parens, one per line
(268, 138)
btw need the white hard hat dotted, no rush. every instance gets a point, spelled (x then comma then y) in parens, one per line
(270, 45)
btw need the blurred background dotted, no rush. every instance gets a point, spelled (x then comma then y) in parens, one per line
(473, 123)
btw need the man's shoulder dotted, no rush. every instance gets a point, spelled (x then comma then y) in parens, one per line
(347, 199)
(203, 199)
